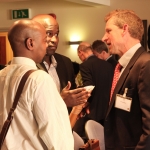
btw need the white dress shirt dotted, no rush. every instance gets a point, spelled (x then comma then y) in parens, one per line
(41, 118)
(125, 59)
(52, 71)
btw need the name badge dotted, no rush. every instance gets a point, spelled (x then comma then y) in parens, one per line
(123, 102)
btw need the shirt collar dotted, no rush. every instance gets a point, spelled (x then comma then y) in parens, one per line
(23, 61)
(124, 60)
(108, 57)
(53, 61)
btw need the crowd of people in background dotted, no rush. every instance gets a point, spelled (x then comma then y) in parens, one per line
(120, 100)
(97, 72)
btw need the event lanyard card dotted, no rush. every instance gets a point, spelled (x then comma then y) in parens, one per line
(123, 102)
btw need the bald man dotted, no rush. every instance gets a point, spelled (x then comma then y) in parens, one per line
(58, 66)
(98, 73)
(41, 118)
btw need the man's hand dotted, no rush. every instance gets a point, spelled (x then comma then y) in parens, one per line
(78, 112)
(74, 97)
(81, 110)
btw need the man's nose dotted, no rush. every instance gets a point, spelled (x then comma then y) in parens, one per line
(54, 38)
(104, 38)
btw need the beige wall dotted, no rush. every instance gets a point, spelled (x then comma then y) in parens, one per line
(84, 21)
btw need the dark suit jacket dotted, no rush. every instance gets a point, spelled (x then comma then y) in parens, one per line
(99, 73)
(64, 70)
(112, 61)
(131, 130)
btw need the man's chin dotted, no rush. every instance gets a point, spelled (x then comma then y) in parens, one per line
(50, 52)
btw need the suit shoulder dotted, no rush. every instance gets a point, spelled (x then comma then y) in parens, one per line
(94, 61)
(59, 56)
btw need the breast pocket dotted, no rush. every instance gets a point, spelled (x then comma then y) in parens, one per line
(130, 92)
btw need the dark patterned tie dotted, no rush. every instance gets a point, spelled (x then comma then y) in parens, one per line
(115, 78)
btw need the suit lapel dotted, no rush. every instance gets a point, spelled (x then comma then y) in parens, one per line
(61, 70)
(123, 77)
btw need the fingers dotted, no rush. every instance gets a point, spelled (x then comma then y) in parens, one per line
(75, 97)
(80, 110)
(80, 96)
(65, 90)
(83, 95)
(85, 110)
(76, 102)
(77, 109)
(80, 92)
(68, 86)
(76, 91)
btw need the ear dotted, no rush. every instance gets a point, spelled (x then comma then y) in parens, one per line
(125, 29)
(103, 52)
(29, 43)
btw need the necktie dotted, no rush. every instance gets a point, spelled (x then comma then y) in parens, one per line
(115, 78)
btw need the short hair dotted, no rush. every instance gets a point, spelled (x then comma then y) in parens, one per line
(99, 46)
(129, 17)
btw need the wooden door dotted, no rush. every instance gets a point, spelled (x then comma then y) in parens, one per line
(3, 50)
(6, 53)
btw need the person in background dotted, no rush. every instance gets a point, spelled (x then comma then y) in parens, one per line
(58, 66)
(101, 51)
(127, 122)
(78, 78)
(41, 118)
(98, 73)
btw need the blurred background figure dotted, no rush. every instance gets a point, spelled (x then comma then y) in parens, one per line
(98, 73)
(101, 51)
(78, 78)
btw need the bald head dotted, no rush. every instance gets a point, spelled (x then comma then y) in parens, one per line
(84, 46)
(84, 50)
(24, 36)
(52, 29)
(45, 20)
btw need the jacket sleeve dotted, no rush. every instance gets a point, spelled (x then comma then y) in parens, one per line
(144, 98)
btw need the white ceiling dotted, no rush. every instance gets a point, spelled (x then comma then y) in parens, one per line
(13, 0)
(88, 2)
